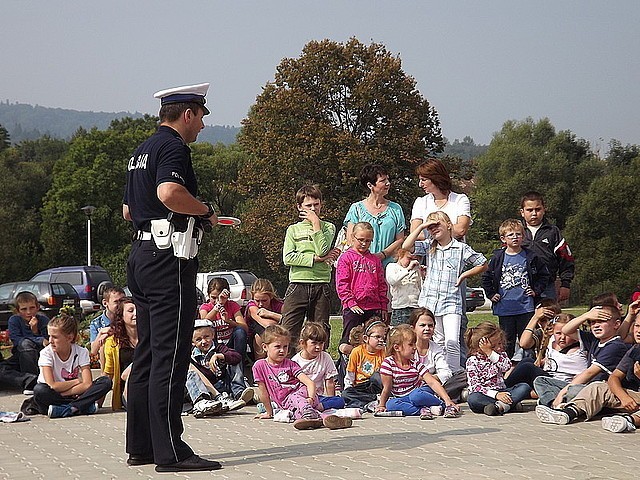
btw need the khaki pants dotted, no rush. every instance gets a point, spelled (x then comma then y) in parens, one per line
(597, 395)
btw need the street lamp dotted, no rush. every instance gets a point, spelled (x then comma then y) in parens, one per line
(88, 210)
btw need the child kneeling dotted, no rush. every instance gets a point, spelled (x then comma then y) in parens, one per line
(281, 381)
(403, 379)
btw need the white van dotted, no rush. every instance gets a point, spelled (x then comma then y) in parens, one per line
(240, 282)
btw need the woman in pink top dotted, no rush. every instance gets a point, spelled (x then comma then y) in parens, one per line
(360, 282)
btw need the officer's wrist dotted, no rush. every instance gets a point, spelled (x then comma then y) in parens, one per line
(210, 211)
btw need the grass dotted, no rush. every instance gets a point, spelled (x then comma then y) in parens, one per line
(475, 318)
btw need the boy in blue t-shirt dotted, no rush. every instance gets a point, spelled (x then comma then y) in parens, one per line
(515, 276)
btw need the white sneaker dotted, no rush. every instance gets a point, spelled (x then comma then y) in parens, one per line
(549, 415)
(205, 407)
(618, 424)
(232, 405)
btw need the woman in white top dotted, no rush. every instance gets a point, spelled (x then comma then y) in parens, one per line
(435, 180)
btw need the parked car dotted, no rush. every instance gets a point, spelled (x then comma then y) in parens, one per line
(240, 282)
(88, 281)
(51, 296)
(475, 298)
(200, 297)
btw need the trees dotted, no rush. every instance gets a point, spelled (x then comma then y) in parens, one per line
(526, 156)
(603, 231)
(5, 140)
(26, 176)
(92, 172)
(326, 114)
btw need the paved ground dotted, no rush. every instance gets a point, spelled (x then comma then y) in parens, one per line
(516, 446)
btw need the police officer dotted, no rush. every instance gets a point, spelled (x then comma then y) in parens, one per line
(161, 180)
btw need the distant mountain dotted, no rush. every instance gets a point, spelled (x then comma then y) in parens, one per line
(28, 122)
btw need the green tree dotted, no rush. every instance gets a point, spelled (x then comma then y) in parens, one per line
(527, 156)
(26, 176)
(602, 232)
(326, 114)
(92, 173)
(5, 139)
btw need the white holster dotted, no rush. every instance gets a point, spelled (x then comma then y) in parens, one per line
(185, 244)
(161, 231)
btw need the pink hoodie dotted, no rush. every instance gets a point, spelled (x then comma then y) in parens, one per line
(360, 281)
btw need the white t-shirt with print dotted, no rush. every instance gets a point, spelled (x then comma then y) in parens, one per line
(63, 371)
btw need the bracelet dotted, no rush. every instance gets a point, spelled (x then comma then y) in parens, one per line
(529, 330)
(384, 255)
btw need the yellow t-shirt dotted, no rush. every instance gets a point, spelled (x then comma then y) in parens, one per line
(363, 363)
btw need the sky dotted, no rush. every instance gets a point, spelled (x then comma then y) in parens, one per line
(479, 63)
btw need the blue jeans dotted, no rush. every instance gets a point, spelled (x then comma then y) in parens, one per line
(196, 387)
(524, 372)
(331, 402)
(477, 401)
(238, 341)
(412, 402)
(44, 395)
(548, 388)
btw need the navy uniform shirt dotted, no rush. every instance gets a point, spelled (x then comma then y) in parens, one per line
(163, 157)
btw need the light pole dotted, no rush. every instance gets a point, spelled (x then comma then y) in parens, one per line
(88, 210)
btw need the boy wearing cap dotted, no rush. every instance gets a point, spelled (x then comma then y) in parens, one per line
(220, 365)
(160, 181)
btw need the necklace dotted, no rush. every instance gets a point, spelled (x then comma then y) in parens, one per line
(441, 202)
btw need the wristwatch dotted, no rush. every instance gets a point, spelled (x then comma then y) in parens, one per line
(210, 212)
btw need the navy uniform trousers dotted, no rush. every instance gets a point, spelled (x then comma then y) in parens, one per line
(163, 288)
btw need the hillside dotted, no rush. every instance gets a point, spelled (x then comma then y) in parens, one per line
(28, 122)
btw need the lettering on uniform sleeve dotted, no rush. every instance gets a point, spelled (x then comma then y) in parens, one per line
(138, 162)
(178, 176)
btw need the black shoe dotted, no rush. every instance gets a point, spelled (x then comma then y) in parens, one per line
(192, 464)
(136, 460)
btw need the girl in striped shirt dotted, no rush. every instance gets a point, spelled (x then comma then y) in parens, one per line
(403, 380)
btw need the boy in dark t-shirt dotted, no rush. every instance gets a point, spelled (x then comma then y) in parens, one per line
(621, 392)
(604, 349)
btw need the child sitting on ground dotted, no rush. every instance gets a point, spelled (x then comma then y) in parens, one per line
(99, 328)
(604, 350)
(486, 366)
(405, 281)
(362, 380)
(431, 355)
(621, 393)
(318, 364)
(221, 366)
(403, 381)
(28, 333)
(282, 382)
(263, 309)
(65, 387)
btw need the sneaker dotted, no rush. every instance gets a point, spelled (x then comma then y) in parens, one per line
(451, 411)
(247, 395)
(91, 409)
(437, 410)
(59, 411)
(205, 407)
(549, 415)
(618, 424)
(308, 423)
(426, 413)
(27, 392)
(371, 406)
(493, 410)
(334, 422)
(233, 405)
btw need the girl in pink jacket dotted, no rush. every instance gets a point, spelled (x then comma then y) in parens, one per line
(360, 282)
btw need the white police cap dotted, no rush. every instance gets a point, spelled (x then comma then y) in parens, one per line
(202, 323)
(187, 93)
